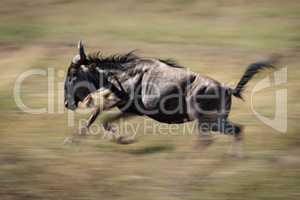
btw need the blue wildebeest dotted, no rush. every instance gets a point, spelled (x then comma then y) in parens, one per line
(159, 89)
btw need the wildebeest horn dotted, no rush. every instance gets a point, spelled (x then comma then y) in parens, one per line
(81, 51)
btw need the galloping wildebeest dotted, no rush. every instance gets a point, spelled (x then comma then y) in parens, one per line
(159, 89)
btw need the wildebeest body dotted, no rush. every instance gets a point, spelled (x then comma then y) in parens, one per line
(159, 89)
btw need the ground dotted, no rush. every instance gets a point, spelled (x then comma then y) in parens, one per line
(215, 38)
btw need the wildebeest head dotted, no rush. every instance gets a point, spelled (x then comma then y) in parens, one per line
(81, 79)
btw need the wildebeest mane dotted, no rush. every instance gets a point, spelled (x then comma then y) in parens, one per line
(116, 61)
(171, 62)
(121, 61)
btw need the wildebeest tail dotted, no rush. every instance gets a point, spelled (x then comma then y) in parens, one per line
(250, 72)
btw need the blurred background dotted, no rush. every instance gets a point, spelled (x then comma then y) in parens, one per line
(218, 38)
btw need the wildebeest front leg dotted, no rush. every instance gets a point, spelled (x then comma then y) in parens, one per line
(113, 134)
(100, 100)
(104, 100)
(84, 129)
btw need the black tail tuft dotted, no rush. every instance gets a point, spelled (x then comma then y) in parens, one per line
(251, 70)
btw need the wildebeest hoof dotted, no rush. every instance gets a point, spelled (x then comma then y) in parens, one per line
(236, 151)
(70, 140)
(109, 127)
(204, 143)
(124, 140)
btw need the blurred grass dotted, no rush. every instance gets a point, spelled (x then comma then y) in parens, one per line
(219, 23)
(151, 149)
(216, 38)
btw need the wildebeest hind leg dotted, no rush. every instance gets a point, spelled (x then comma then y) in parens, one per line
(111, 131)
(205, 137)
(230, 128)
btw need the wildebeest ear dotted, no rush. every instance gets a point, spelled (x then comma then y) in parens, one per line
(81, 51)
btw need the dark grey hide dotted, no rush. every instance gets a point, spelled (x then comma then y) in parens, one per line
(159, 89)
